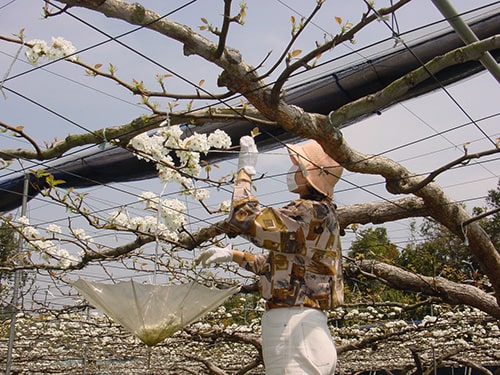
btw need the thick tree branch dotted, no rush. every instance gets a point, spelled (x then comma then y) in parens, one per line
(401, 86)
(381, 212)
(446, 290)
(136, 14)
(121, 135)
(365, 213)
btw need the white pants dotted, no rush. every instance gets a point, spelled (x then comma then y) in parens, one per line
(296, 340)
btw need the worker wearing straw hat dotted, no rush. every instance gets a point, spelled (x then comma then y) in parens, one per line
(300, 276)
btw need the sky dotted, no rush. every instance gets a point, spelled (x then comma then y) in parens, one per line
(53, 101)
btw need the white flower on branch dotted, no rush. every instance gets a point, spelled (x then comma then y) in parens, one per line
(23, 220)
(45, 246)
(141, 143)
(219, 139)
(150, 224)
(225, 206)
(119, 219)
(200, 194)
(171, 135)
(159, 147)
(50, 250)
(197, 143)
(58, 49)
(166, 224)
(53, 229)
(150, 199)
(80, 234)
(39, 48)
(171, 210)
(30, 232)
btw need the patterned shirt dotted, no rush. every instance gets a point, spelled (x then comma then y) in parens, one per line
(303, 266)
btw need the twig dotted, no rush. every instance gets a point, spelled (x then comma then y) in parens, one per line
(225, 29)
(292, 41)
(479, 217)
(338, 39)
(20, 131)
(446, 167)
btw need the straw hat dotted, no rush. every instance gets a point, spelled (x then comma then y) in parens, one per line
(318, 168)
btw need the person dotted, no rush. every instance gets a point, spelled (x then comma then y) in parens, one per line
(300, 276)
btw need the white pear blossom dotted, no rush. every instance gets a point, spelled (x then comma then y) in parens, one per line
(157, 147)
(219, 139)
(30, 232)
(45, 246)
(190, 162)
(150, 199)
(119, 219)
(144, 224)
(172, 212)
(66, 259)
(198, 143)
(171, 135)
(169, 174)
(53, 229)
(225, 206)
(23, 220)
(141, 143)
(200, 194)
(49, 250)
(38, 49)
(45, 339)
(166, 224)
(81, 235)
(59, 48)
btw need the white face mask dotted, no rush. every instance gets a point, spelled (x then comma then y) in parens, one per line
(290, 179)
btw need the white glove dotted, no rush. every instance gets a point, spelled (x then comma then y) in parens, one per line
(214, 255)
(248, 155)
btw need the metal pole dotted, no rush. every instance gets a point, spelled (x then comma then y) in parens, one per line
(15, 292)
(466, 34)
(86, 348)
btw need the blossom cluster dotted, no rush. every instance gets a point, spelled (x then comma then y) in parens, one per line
(177, 160)
(166, 143)
(165, 224)
(58, 49)
(49, 250)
